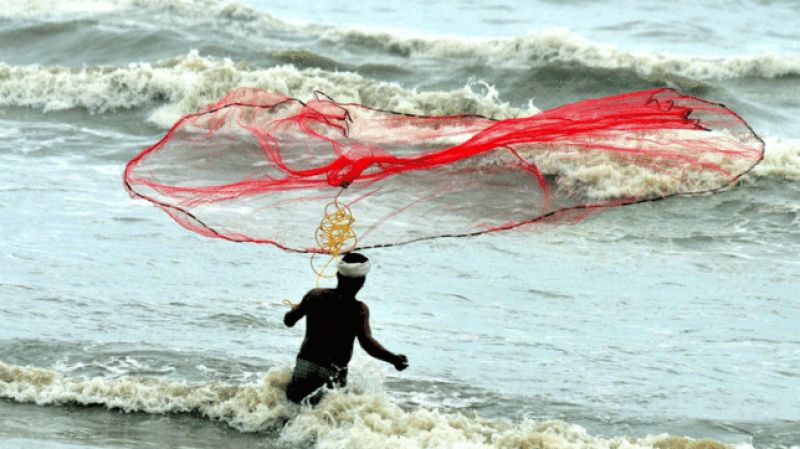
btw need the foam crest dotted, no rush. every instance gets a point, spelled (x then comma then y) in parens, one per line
(363, 417)
(188, 82)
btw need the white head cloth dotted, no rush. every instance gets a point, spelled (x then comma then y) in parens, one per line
(353, 270)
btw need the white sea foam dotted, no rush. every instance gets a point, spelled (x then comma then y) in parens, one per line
(189, 82)
(781, 159)
(362, 417)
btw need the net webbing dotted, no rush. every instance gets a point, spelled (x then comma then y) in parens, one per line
(261, 167)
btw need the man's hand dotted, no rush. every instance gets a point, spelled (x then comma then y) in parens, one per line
(401, 363)
(295, 314)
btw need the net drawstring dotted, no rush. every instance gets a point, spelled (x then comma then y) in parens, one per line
(334, 235)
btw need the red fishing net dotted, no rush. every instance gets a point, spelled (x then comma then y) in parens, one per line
(261, 167)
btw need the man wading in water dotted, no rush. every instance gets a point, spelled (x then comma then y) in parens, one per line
(334, 318)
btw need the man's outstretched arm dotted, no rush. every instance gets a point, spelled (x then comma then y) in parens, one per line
(374, 348)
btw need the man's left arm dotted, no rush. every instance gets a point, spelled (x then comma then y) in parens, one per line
(298, 311)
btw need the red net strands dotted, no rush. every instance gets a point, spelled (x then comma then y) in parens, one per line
(261, 167)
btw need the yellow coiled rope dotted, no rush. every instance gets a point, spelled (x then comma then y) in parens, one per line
(335, 236)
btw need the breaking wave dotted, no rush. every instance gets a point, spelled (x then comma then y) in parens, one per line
(361, 417)
(177, 86)
(186, 83)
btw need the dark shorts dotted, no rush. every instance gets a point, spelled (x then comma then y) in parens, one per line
(308, 378)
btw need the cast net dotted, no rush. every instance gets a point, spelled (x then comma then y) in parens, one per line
(262, 167)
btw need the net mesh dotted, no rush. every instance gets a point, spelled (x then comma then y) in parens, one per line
(261, 167)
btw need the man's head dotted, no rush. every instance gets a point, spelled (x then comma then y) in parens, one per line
(352, 272)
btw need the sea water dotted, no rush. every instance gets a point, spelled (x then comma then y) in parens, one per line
(638, 327)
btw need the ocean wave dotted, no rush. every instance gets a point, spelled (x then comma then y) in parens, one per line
(562, 46)
(603, 177)
(53, 9)
(182, 85)
(557, 46)
(177, 86)
(362, 416)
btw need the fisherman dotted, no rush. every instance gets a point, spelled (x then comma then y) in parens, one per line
(334, 318)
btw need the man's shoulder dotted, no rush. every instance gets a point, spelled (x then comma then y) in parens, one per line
(362, 307)
(315, 293)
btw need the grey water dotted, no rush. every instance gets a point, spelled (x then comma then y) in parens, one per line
(677, 317)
